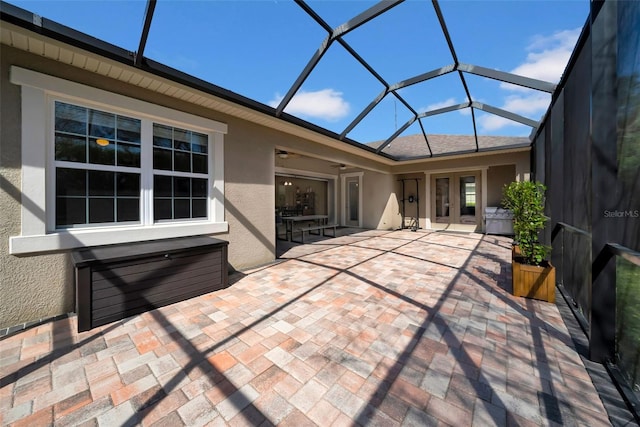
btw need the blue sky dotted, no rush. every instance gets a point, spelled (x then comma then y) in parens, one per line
(258, 48)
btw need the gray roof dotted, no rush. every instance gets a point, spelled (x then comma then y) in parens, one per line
(409, 146)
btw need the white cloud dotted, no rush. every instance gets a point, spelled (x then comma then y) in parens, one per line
(326, 104)
(532, 105)
(547, 57)
(565, 39)
(546, 60)
(446, 103)
(491, 122)
(527, 105)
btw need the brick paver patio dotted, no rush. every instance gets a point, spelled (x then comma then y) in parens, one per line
(373, 328)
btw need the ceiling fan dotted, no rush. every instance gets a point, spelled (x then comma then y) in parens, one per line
(286, 154)
(341, 166)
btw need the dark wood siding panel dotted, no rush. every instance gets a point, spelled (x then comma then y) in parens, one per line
(208, 278)
(136, 304)
(151, 270)
(121, 302)
(115, 316)
(145, 285)
(120, 281)
(136, 288)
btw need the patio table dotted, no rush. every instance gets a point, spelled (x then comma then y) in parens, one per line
(289, 222)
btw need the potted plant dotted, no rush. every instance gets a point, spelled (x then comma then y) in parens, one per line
(533, 274)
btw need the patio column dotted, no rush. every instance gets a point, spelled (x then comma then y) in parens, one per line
(427, 200)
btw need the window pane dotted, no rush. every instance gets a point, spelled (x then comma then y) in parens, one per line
(92, 196)
(162, 136)
(162, 209)
(162, 186)
(199, 207)
(102, 125)
(200, 163)
(101, 183)
(128, 184)
(182, 187)
(161, 159)
(128, 129)
(71, 148)
(101, 210)
(102, 155)
(70, 211)
(71, 118)
(199, 143)
(199, 187)
(71, 182)
(181, 161)
(182, 208)
(128, 155)
(128, 209)
(182, 140)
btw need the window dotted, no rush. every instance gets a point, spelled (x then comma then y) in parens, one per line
(108, 169)
(97, 159)
(470, 193)
(181, 191)
(98, 169)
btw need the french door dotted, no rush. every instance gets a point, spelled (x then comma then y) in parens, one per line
(456, 199)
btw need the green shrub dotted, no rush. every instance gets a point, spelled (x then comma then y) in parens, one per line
(526, 200)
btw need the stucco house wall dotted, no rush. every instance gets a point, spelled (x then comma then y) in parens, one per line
(31, 287)
(41, 285)
(498, 168)
(37, 286)
(497, 177)
(380, 201)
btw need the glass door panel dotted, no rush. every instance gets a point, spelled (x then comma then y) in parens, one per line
(442, 200)
(468, 200)
(353, 202)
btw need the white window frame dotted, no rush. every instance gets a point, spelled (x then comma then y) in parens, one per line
(38, 233)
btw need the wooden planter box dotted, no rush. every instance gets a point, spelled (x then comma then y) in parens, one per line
(515, 252)
(531, 281)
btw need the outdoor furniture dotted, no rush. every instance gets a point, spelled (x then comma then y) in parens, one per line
(312, 220)
(291, 211)
(309, 229)
(114, 282)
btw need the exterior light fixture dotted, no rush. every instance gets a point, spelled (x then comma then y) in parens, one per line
(102, 142)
